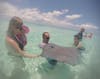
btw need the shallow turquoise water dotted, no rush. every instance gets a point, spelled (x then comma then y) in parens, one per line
(39, 68)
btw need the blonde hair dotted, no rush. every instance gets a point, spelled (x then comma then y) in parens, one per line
(15, 21)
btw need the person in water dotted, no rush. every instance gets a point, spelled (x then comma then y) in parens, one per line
(90, 35)
(80, 34)
(77, 42)
(15, 43)
(46, 38)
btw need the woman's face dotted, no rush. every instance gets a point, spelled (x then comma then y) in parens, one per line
(17, 29)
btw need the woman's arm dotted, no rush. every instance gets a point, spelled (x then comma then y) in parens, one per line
(16, 47)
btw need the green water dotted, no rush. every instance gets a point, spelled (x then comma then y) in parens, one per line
(38, 68)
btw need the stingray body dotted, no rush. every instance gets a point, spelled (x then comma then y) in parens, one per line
(68, 55)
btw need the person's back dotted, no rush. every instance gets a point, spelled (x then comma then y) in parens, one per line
(78, 43)
(80, 34)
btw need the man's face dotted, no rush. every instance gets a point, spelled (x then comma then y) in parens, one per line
(76, 39)
(82, 30)
(47, 36)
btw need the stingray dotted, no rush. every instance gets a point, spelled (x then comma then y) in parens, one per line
(69, 55)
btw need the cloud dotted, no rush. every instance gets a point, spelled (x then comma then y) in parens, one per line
(36, 16)
(3, 0)
(7, 9)
(87, 26)
(16, 1)
(73, 17)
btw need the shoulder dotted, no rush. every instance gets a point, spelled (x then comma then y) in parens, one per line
(10, 41)
(80, 43)
(42, 45)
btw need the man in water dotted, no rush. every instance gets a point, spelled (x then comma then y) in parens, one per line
(77, 43)
(80, 34)
(46, 38)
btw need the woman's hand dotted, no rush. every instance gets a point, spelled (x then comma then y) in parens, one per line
(33, 56)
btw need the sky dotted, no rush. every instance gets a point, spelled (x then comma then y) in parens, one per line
(61, 13)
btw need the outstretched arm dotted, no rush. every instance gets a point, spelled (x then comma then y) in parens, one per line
(16, 47)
